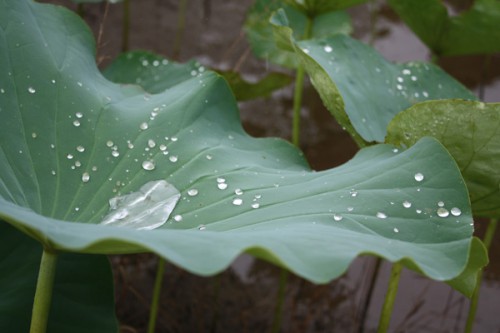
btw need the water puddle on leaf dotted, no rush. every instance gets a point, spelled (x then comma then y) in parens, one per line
(146, 209)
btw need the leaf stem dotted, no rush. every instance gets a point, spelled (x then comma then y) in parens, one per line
(488, 237)
(298, 90)
(390, 297)
(278, 312)
(153, 313)
(43, 294)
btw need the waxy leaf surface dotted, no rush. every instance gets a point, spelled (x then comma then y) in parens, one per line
(71, 141)
(470, 131)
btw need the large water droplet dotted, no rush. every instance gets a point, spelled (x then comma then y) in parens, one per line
(419, 177)
(455, 211)
(237, 201)
(443, 212)
(148, 165)
(381, 215)
(85, 177)
(146, 209)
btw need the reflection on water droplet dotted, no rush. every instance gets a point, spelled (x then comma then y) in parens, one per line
(381, 215)
(148, 165)
(146, 209)
(354, 193)
(443, 212)
(173, 139)
(418, 211)
(178, 218)
(221, 180)
(85, 177)
(31, 90)
(419, 177)
(192, 192)
(144, 126)
(455, 211)
(406, 204)
(337, 217)
(78, 164)
(237, 201)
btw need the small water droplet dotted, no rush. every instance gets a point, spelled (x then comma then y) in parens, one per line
(202, 227)
(173, 139)
(381, 215)
(406, 204)
(192, 192)
(94, 168)
(76, 123)
(238, 191)
(443, 212)
(78, 164)
(148, 165)
(237, 201)
(33, 135)
(255, 205)
(173, 159)
(455, 211)
(151, 143)
(115, 153)
(81, 149)
(221, 180)
(53, 172)
(328, 49)
(77, 209)
(209, 157)
(441, 204)
(178, 218)
(79, 115)
(337, 217)
(130, 145)
(425, 93)
(350, 209)
(400, 79)
(406, 71)
(85, 177)
(144, 126)
(31, 90)
(354, 193)
(419, 177)
(163, 147)
(396, 230)
(109, 143)
(418, 211)
(222, 186)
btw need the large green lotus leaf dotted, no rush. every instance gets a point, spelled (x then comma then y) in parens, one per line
(260, 32)
(363, 90)
(71, 141)
(152, 72)
(316, 7)
(83, 299)
(471, 133)
(474, 31)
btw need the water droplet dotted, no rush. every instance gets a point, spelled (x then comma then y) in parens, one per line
(443, 212)
(255, 205)
(455, 211)
(350, 209)
(85, 177)
(237, 201)
(209, 157)
(53, 172)
(173, 139)
(148, 165)
(337, 217)
(76, 123)
(221, 180)
(81, 149)
(173, 159)
(79, 115)
(381, 215)
(130, 145)
(146, 209)
(395, 150)
(156, 63)
(399, 87)
(178, 218)
(406, 72)
(69, 156)
(400, 79)
(306, 51)
(33, 135)
(419, 177)
(328, 49)
(31, 90)
(94, 168)
(115, 153)
(354, 193)
(78, 164)
(425, 93)
(396, 230)
(80, 84)
(192, 192)
(413, 78)
(441, 204)
(238, 191)
(406, 204)
(222, 186)
(109, 143)
(202, 227)
(163, 147)
(151, 143)
(77, 209)
(418, 211)
(144, 126)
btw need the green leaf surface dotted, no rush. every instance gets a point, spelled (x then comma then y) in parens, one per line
(475, 31)
(76, 140)
(152, 72)
(83, 299)
(260, 32)
(471, 133)
(316, 7)
(245, 90)
(364, 91)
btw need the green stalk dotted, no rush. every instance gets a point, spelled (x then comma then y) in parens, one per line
(181, 25)
(278, 311)
(126, 25)
(390, 297)
(153, 313)
(43, 294)
(297, 93)
(488, 237)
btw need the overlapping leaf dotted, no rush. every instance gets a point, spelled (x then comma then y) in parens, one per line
(474, 31)
(470, 132)
(76, 140)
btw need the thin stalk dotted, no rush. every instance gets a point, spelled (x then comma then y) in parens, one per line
(126, 25)
(153, 313)
(181, 25)
(297, 93)
(43, 294)
(278, 311)
(488, 238)
(390, 297)
(369, 295)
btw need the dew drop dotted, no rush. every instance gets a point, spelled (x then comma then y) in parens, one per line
(381, 215)
(192, 192)
(443, 212)
(178, 218)
(209, 157)
(419, 177)
(221, 180)
(354, 193)
(78, 164)
(76, 123)
(350, 209)
(337, 217)
(53, 172)
(238, 191)
(418, 211)
(144, 126)
(33, 135)
(163, 147)
(328, 49)
(79, 115)
(173, 159)
(115, 153)
(69, 156)
(151, 143)
(255, 205)
(222, 186)
(31, 90)
(148, 165)
(396, 230)
(173, 139)
(406, 204)
(237, 202)
(109, 143)
(455, 211)
(406, 72)
(202, 227)
(85, 177)
(441, 204)
(130, 145)
(81, 149)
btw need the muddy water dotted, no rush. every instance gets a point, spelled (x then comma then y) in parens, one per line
(242, 298)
